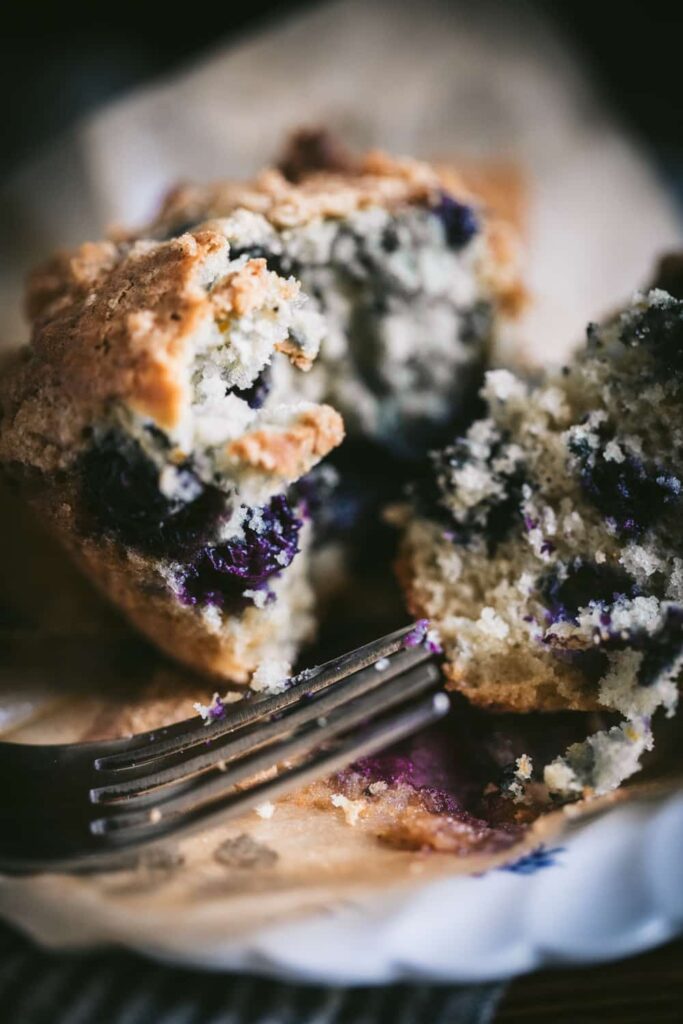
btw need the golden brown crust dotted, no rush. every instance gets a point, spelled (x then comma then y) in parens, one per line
(242, 292)
(379, 180)
(116, 324)
(291, 452)
(111, 325)
(296, 356)
(67, 273)
(335, 187)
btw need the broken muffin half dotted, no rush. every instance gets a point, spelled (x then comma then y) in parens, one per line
(545, 543)
(157, 423)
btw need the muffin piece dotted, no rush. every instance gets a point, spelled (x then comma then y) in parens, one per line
(156, 422)
(415, 277)
(546, 544)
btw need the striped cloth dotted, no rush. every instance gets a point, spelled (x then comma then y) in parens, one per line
(41, 987)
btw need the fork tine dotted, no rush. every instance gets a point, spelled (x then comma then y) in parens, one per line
(171, 767)
(149, 746)
(373, 737)
(315, 734)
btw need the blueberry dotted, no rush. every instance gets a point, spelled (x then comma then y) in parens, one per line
(279, 263)
(661, 650)
(600, 585)
(121, 496)
(494, 517)
(459, 221)
(632, 494)
(390, 240)
(660, 329)
(220, 573)
(257, 392)
(585, 583)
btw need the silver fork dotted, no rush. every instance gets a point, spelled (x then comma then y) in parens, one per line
(84, 805)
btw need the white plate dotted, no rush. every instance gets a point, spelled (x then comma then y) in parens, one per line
(614, 887)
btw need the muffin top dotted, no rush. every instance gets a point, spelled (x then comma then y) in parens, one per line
(317, 179)
(137, 329)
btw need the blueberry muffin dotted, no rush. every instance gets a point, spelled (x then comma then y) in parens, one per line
(545, 543)
(156, 421)
(414, 275)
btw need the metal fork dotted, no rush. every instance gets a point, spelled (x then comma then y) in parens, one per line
(83, 805)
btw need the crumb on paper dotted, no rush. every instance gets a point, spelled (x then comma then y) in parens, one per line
(352, 808)
(271, 676)
(524, 767)
(377, 787)
(243, 851)
(560, 778)
(265, 810)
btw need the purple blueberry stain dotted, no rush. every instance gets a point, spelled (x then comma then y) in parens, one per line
(421, 635)
(217, 709)
(212, 712)
(417, 634)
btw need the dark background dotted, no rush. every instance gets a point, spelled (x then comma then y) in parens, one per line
(58, 60)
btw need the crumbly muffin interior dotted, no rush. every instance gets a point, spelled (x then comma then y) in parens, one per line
(546, 543)
(407, 328)
(415, 279)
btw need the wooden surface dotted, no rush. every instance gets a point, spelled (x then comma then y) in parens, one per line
(646, 989)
